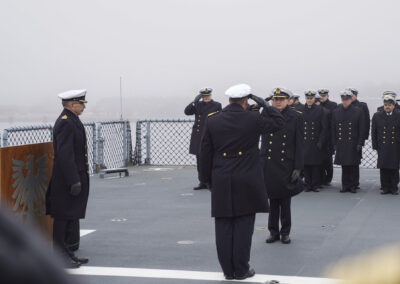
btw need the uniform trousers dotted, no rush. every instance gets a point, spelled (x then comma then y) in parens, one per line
(73, 235)
(357, 173)
(389, 180)
(327, 168)
(312, 176)
(198, 168)
(60, 229)
(279, 209)
(349, 176)
(233, 239)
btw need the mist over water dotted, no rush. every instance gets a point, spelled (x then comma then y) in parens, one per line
(166, 50)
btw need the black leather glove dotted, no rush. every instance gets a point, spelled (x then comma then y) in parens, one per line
(197, 98)
(358, 148)
(260, 101)
(269, 98)
(76, 188)
(254, 107)
(319, 146)
(295, 175)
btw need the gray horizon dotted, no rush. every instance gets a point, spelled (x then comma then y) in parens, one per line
(165, 51)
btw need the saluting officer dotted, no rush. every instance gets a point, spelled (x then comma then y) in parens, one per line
(201, 107)
(230, 161)
(297, 105)
(348, 132)
(282, 154)
(367, 121)
(327, 163)
(68, 191)
(394, 95)
(385, 134)
(315, 127)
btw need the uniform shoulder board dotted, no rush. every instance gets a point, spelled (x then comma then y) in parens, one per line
(299, 111)
(64, 117)
(211, 114)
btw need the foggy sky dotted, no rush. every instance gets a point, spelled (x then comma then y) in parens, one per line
(166, 50)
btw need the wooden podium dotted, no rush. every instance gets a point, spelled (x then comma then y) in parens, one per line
(25, 173)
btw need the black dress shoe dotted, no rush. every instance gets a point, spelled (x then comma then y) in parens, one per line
(357, 186)
(70, 263)
(315, 189)
(248, 274)
(395, 192)
(80, 260)
(343, 190)
(200, 186)
(229, 277)
(272, 239)
(353, 190)
(285, 239)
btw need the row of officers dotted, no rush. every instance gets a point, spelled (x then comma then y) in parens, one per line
(297, 145)
(327, 129)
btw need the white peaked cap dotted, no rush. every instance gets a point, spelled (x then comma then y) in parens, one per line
(389, 98)
(389, 93)
(72, 94)
(347, 92)
(238, 91)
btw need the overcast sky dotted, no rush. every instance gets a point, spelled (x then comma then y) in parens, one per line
(166, 50)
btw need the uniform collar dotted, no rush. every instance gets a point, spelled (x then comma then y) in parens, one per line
(233, 107)
(68, 113)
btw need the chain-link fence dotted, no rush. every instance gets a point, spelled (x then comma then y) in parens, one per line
(163, 142)
(108, 142)
(166, 142)
(158, 142)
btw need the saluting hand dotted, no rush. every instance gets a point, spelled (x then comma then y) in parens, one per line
(260, 101)
(197, 98)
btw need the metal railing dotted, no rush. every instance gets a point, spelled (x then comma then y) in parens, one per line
(166, 142)
(109, 143)
(158, 142)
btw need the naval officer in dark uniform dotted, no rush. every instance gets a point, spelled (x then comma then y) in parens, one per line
(315, 127)
(201, 107)
(394, 95)
(327, 163)
(348, 133)
(282, 154)
(385, 134)
(68, 191)
(230, 162)
(367, 122)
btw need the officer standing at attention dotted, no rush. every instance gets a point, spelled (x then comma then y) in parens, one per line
(394, 95)
(367, 121)
(68, 191)
(201, 107)
(385, 135)
(282, 154)
(327, 163)
(230, 161)
(348, 132)
(315, 127)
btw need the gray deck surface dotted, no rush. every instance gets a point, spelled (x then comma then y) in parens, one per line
(161, 209)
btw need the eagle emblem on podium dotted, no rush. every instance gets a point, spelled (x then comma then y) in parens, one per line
(30, 184)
